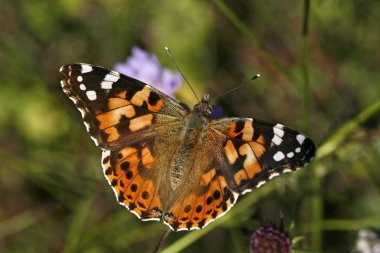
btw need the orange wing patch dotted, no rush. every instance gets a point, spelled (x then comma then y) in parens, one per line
(208, 176)
(114, 103)
(112, 117)
(112, 134)
(157, 107)
(258, 148)
(141, 96)
(141, 122)
(147, 158)
(230, 151)
(153, 101)
(251, 165)
(122, 94)
(137, 193)
(198, 209)
(240, 175)
(242, 129)
(243, 159)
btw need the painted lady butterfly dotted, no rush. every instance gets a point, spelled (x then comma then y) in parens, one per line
(167, 164)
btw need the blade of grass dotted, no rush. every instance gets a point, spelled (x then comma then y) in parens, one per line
(26, 219)
(338, 137)
(17, 223)
(77, 225)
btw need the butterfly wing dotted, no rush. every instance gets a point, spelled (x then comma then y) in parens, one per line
(255, 151)
(118, 109)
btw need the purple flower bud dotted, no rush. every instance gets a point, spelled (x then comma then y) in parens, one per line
(270, 240)
(146, 68)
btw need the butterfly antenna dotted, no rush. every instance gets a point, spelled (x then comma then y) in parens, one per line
(175, 63)
(237, 87)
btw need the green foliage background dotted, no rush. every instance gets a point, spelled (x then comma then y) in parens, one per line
(323, 80)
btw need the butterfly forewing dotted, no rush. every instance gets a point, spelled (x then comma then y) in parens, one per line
(117, 109)
(256, 150)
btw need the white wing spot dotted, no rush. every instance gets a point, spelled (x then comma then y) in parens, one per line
(261, 183)
(109, 79)
(86, 125)
(300, 138)
(106, 85)
(287, 171)
(277, 129)
(82, 113)
(112, 77)
(278, 156)
(74, 100)
(95, 140)
(298, 150)
(79, 78)
(91, 95)
(246, 191)
(85, 68)
(82, 87)
(276, 140)
(274, 175)
(105, 153)
(290, 155)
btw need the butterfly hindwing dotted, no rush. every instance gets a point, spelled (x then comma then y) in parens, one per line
(132, 173)
(117, 109)
(206, 196)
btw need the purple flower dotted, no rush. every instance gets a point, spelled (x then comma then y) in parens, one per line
(270, 240)
(146, 68)
(217, 112)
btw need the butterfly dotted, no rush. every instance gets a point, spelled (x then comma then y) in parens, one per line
(168, 164)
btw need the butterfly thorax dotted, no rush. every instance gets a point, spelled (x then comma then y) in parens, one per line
(192, 135)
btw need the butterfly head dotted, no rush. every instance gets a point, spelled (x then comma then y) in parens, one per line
(203, 107)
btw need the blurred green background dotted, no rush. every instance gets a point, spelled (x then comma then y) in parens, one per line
(320, 74)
